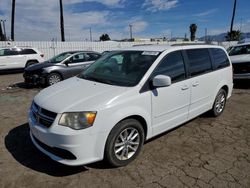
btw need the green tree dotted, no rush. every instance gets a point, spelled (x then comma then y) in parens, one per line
(233, 36)
(104, 37)
(193, 29)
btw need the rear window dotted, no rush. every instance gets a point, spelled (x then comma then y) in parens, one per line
(27, 51)
(199, 61)
(220, 59)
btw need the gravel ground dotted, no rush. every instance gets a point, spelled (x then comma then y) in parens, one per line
(205, 152)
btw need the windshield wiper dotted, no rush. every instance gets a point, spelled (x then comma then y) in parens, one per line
(97, 79)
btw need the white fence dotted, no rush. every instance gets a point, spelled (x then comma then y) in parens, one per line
(52, 48)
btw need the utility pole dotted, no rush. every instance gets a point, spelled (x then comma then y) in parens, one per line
(90, 34)
(232, 21)
(13, 20)
(130, 29)
(62, 21)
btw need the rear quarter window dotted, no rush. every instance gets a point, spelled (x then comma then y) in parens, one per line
(27, 51)
(220, 59)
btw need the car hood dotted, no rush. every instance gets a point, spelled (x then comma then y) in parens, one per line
(76, 94)
(39, 66)
(240, 58)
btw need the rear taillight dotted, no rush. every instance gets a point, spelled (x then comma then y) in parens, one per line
(42, 55)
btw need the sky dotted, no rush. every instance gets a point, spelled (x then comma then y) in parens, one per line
(39, 20)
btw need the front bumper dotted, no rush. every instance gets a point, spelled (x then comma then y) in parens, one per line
(34, 79)
(67, 146)
(242, 76)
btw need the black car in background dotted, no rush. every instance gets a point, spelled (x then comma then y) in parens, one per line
(60, 67)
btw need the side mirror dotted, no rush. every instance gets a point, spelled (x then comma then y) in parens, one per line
(67, 62)
(161, 81)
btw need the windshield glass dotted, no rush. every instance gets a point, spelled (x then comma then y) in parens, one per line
(122, 68)
(60, 57)
(240, 50)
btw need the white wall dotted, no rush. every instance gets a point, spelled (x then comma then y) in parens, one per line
(52, 48)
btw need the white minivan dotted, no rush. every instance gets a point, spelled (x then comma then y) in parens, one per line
(127, 97)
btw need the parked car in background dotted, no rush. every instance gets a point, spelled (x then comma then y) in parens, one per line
(19, 57)
(240, 57)
(127, 97)
(60, 67)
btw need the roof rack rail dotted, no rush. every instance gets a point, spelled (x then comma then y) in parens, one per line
(188, 44)
(142, 45)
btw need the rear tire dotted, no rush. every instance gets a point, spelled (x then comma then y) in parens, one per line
(219, 103)
(53, 78)
(124, 143)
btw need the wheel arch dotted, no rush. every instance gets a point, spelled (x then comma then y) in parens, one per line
(226, 88)
(31, 60)
(57, 72)
(141, 120)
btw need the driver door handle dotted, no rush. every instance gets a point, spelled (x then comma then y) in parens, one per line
(185, 87)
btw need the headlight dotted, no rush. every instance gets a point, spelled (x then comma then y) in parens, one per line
(77, 120)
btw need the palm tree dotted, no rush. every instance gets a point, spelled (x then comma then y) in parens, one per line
(13, 20)
(234, 35)
(192, 28)
(232, 21)
(62, 21)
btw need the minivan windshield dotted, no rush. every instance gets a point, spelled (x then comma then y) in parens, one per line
(122, 68)
(60, 57)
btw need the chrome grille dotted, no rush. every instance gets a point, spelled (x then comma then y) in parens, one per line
(42, 116)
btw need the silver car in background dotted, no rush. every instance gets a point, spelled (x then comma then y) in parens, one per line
(60, 67)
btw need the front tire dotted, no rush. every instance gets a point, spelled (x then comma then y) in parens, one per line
(219, 103)
(53, 78)
(29, 63)
(124, 142)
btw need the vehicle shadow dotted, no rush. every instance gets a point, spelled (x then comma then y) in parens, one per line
(242, 84)
(19, 144)
(22, 85)
(15, 71)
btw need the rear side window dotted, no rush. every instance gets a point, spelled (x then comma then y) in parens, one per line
(173, 66)
(199, 61)
(27, 51)
(93, 57)
(220, 59)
